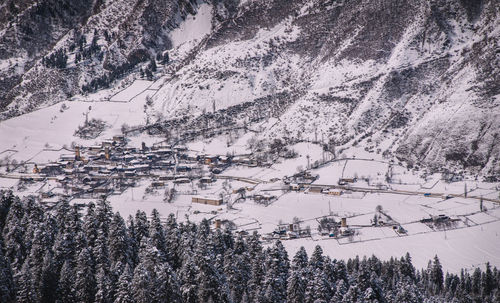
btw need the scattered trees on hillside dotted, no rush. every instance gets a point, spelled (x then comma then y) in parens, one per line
(91, 129)
(57, 59)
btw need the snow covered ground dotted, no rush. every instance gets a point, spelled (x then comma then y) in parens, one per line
(463, 247)
(42, 136)
(53, 127)
(473, 241)
(193, 29)
(137, 87)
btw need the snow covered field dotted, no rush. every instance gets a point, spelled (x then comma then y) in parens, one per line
(137, 87)
(463, 247)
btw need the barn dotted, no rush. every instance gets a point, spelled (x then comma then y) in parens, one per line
(207, 200)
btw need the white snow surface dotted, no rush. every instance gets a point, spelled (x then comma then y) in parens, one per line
(136, 88)
(41, 137)
(193, 29)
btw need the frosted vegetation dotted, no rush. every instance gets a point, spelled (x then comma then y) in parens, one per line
(63, 255)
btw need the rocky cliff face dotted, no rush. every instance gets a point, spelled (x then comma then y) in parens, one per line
(411, 79)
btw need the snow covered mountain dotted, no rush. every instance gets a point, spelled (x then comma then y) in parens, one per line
(55, 49)
(412, 79)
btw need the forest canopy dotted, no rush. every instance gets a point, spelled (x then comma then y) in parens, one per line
(68, 254)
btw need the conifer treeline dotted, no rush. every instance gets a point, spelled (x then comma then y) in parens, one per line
(64, 256)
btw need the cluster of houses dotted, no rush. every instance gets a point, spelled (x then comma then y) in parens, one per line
(113, 166)
(301, 177)
(287, 231)
(293, 231)
(336, 229)
(303, 181)
(316, 189)
(439, 220)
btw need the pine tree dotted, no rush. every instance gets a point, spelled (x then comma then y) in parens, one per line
(166, 58)
(49, 279)
(369, 296)
(152, 65)
(141, 284)
(7, 290)
(149, 74)
(101, 252)
(119, 242)
(90, 225)
(145, 277)
(141, 226)
(85, 283)
(256, 257)
(317, 259)
(30, 222)
(341, 271)
(297, 284)
(64, 248)
(134, 246)
(256, 277)
(76, 226)
(210, 282)
(6, 200)
(407, 292)
(377, 288)
(104, 215)
(13, 235)
(123, 293)
(341, 289)
(157, 234)
(204, 228)
(65, 291)
(300, 259)
(62, 219)
(26, 290)
(406, 268)
(254, 245)
(168, 287)
(189, 286)
(219, 242)
(187, 240)
(363, 276)
(487, 282)
(496, 296)
(318, 289)
(40, 245)
(275, 281)
(476, 282)
(352, 294)
(173, 236)
(436, 276)
(104, 288)
(237, 270)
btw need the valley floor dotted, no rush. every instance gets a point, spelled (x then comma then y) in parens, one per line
(469, 238)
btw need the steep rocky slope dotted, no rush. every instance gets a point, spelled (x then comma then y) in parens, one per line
(54, 49)
(411, 79)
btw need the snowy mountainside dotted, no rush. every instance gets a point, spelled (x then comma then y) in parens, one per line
(407, 79)
(413, 80)
(55, 49)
